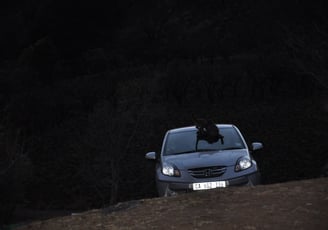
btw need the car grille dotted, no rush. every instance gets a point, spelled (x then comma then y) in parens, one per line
(207, 172)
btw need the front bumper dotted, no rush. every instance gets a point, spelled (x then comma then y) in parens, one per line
(171, 188)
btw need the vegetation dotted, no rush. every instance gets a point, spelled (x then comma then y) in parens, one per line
(86, 89)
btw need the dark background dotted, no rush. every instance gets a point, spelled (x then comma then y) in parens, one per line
(88, 87)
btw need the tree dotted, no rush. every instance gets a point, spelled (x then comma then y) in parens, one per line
(15, 171)
(107, 140)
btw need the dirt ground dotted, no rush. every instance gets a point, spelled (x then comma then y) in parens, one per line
(293, 205)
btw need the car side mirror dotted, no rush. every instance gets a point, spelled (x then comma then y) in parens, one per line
(151, 156)
(256, 146)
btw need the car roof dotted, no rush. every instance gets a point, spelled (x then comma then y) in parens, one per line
(190, 128)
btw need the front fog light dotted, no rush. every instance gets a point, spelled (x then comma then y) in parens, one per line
(242, 164)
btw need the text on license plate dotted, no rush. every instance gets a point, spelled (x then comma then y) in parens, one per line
(209, 185)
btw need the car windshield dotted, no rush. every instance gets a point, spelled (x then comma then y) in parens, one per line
(185, 142)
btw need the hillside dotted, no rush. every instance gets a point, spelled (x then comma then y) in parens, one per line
(292, 205)
(88, 87)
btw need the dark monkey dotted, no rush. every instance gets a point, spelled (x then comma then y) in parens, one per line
(208, 131)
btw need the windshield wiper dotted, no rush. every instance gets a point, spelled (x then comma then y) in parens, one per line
(207, 150)
(191, 151)
(204, 150)
(231, 148)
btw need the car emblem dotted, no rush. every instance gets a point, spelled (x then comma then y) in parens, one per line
(208, 172)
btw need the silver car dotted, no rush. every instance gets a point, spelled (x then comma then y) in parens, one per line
(182, 168)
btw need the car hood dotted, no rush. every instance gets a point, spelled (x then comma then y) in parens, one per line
(205, 159)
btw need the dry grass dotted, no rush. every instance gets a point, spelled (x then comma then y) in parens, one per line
(293, 205)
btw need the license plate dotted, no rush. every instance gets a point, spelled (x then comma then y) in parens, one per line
(209, 185)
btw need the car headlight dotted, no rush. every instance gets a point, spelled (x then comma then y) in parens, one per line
(243, 163)
(170, 170)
